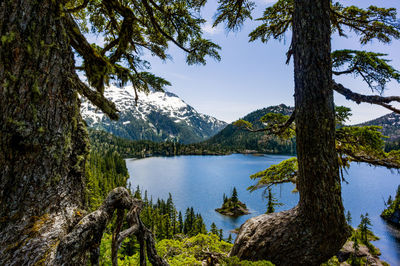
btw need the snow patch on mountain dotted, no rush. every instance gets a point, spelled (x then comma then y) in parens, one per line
(156, 116)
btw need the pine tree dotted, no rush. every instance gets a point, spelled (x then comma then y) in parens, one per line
(180, 221)
(214, 229)
(234, 197)
(348, 217)
(229, 240)
(356, 246)
(138, 193)
(43, 137)
(364, 227)
(145, 200)
(272, 202)
(224, 199)
(167, 226)
(318, 178)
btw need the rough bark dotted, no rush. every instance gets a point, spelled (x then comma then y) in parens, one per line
(43, 140)
(315, 230)
(43, 145)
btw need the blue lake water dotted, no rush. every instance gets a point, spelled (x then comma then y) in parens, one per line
(200, 181)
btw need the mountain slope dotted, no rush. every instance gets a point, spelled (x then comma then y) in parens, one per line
(233, 137)
(157, 116)
(390, 124)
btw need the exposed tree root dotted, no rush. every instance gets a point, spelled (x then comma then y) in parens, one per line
(86, 236)
(286, 238)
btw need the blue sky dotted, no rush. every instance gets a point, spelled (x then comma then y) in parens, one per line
(254, 75)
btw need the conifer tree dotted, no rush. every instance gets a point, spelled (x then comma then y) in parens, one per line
(138, 193)
(348, 217)
(272, 202)
(389, 201)
(43, 137)
(364, 227)
(320, 211)
(234, 197)
(230, 239)
(214, 229)
(356, 247)
(180, 220)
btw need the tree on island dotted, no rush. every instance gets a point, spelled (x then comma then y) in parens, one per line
(232, 206)
(43, 137)
(392, 211)
(316, 228)
(234, 197)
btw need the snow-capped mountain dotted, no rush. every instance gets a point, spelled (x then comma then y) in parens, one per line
(157, 116)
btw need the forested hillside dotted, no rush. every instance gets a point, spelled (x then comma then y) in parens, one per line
(105, 170)
(235, 138)
(390, 124)
(146, 148)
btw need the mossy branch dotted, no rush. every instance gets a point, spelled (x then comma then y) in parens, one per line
(97, 99)
(276, 124)
(95, 65)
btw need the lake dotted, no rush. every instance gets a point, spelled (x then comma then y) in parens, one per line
(201, 181)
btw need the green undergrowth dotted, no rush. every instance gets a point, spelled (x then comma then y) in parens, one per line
(182, 251)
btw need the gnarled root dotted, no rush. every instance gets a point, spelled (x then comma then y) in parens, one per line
(86, 235)
(287, 238)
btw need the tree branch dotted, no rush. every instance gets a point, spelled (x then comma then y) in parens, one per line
(95, 65)
(149, 12)
(365, 158)
(97, 99)
(280, 128)
(349, 71)
(372, 99)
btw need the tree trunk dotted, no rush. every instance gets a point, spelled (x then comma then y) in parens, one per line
(315, 230)
(44, 146)
(43, 141)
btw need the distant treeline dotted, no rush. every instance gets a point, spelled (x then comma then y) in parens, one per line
(145, 148)
(102, 140)
(105, 170)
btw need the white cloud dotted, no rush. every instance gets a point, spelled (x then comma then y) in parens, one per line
(208, 28)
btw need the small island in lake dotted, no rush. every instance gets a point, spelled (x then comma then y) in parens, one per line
(392, 211)
(233, 206)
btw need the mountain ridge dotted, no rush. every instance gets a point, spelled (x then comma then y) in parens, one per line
(390, 124)
(155, 116)
(236, 138)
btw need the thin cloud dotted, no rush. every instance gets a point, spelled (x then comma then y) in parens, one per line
(208, 28)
